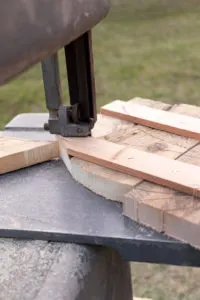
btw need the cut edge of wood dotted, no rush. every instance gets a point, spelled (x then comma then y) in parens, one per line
(29, 153)
(158, 225)
(104, 185)
(131, 161)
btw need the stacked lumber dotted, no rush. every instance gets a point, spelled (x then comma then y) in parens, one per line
(149, 162)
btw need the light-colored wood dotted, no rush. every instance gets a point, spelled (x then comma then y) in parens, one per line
(17, 153)
(182, 220)
(156, 118)
(170, 173)
(176, 214)
(113, 185)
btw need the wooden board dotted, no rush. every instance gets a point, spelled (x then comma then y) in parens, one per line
(113, 185)
(174, 174)
(156, 118)
(17, 153)
(173, 213)
(144, 202)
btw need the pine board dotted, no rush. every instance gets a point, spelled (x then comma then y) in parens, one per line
(173, 122)
(18, 153)
(174, 174)
(108, 183)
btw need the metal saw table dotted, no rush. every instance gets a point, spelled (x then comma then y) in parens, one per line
(58, 240)
(61, 241)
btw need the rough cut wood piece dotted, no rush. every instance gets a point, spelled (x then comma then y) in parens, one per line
(183, 219)
(156, 118)
(170, 173)
(168, 211)
(108, 183)
(17, 153)
(163, 209)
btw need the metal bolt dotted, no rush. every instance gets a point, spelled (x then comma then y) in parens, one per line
(46, 126)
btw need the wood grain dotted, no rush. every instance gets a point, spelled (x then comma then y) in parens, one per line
(152, 167)
(17, 153)
(111, 184)
(155, 118)
(136, 298)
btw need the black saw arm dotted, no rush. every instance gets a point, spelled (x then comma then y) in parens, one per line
(79, 117)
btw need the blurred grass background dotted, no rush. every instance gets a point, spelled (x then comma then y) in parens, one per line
(145, 48)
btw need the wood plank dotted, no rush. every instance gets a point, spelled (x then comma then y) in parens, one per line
(115, 129)
(183, 221)
(111, 184)
(18, 153)
(176, 214)
(155, 118)
(171, 173)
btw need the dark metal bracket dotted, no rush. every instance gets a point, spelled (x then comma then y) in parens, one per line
(77, 119)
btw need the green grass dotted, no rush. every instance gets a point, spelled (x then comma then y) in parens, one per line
(161, 282)
(146, 48)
